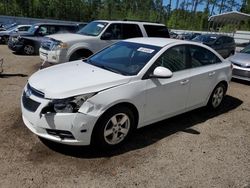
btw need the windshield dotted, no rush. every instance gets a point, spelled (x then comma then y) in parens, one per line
(124, 58)
(93, 28)
(33, 29)
(246, 50)
(205, 38)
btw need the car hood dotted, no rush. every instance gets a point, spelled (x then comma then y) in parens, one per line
(23, 34)
(4, 33)
(74, 78)
(241, 59)
(69, 37)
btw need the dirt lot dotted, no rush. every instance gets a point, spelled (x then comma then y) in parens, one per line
(197, 149)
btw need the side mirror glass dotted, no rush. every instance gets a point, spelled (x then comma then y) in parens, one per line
(106, 36)
(162, 72)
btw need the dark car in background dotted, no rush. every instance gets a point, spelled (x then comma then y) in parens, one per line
(188, 36)
(4, 35)
(224, 45)
(29, 42)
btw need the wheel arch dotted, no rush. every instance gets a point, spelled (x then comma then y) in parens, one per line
(125, 104)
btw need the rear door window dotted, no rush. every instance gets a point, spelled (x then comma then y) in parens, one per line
(131, 31)
(174, 59)
(200, 56)
(156, 31)
(119, 31)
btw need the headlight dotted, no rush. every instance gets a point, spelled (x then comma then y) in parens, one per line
(68, 105)
(60, 45)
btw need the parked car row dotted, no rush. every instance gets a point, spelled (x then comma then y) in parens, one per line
(4, 35)
(27, 38)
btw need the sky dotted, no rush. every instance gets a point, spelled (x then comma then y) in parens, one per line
(200, 8)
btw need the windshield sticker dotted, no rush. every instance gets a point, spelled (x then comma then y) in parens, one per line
(36, 26)
(146, 50)
(100, 25)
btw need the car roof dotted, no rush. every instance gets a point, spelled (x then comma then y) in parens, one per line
(160, 42)
(23, 25)
(130, 21)
(67, 24)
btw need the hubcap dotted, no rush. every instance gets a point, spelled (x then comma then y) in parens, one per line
(217, 97)
(117, 128)
(28, 49)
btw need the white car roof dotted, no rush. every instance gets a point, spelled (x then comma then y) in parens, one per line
(128, 21)
(160, 42)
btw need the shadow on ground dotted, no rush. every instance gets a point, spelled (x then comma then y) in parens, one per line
(22, 54)
(241, 81)
(146, 136)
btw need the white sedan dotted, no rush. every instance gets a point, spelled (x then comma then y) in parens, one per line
(128, 85)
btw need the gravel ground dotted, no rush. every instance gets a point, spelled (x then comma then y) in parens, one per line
(196, 149)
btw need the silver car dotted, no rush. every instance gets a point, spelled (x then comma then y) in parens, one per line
(241, 64)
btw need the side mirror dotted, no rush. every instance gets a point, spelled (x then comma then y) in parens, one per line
(162, 72)
(106, 36)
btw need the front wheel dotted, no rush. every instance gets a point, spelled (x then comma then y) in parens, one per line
(28, 49)
(217, 96)
(114, 128)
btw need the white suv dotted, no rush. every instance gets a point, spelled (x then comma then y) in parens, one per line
(60, 48)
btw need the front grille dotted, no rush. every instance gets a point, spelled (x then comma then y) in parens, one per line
(48, 44)
(60, 133)
(242, 73)
(35, 92)
(29, 104)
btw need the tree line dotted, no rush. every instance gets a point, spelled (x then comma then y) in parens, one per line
(178, 14)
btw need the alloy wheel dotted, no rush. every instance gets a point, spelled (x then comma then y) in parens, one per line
(117, 128)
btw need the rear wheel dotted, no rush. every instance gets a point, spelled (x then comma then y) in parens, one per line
(217, 96)
(28, 49)
(114, 128)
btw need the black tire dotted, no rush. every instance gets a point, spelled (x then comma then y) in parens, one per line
(5, 39)
(113, 128)
(79, 55)
(29, 49)
(217, 96)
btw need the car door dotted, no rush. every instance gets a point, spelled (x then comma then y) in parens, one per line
(167, 96)
(202, 74)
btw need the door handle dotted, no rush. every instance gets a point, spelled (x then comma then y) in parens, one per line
(211, 74)
(183, 82)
